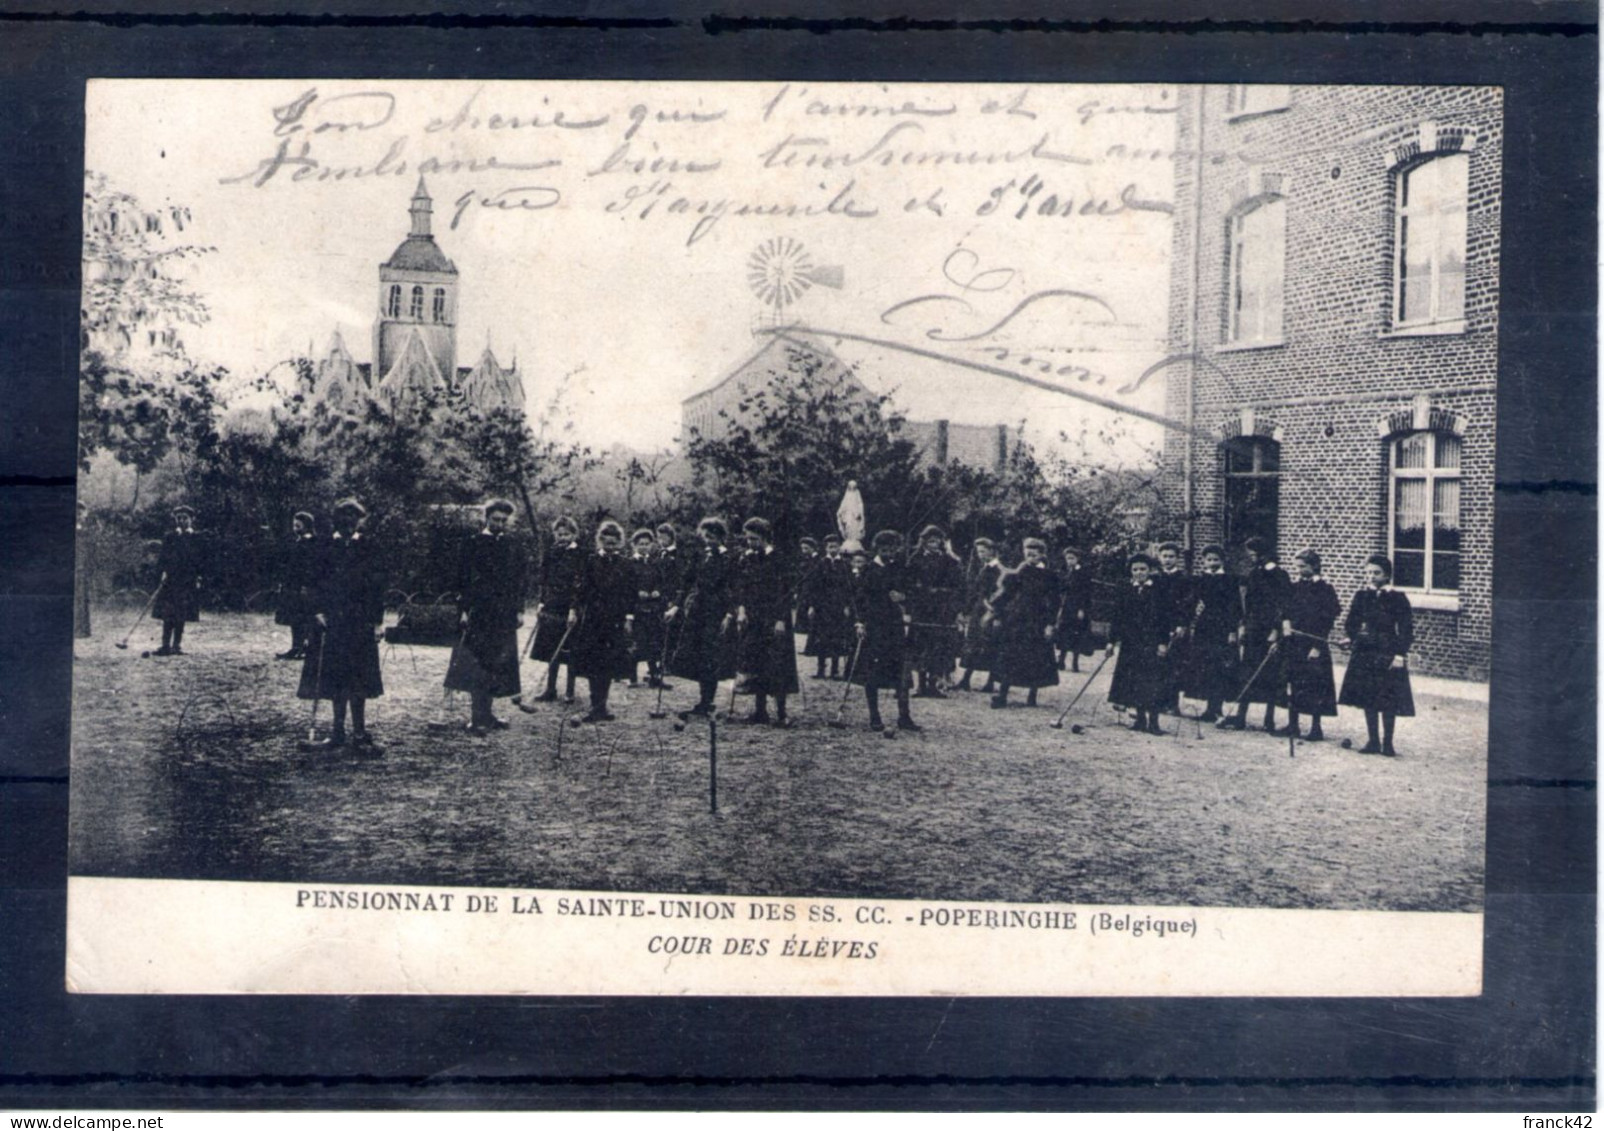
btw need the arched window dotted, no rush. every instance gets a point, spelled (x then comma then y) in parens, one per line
(393, 309)
(1423, 511)
(1257, 250)
(1430, 228)
(417, 304)
(439, 304)
(1252, 489)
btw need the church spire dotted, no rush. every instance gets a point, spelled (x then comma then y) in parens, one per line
(421, 208)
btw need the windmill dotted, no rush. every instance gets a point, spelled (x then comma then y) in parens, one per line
(780, 271)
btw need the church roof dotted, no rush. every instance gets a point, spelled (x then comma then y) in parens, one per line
(415, 371)
(489, 386)
(421, 253)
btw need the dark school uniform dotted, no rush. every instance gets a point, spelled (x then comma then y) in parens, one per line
(181, 560)
(490, 587)
(1263, 609)
(1025, 607)
(1073, 632)
(935, 593)
(559, 580)
(885, 642)
(1312, 608)
(1175, 598)
(651, 602)
(768, 657)
(342, 660)
(1211, 662)
(706, 649)
(298, 573)
(980, 637)
(672, 565)
(1139, 626)
(829, 597)
(1381, 625)
(605, 600)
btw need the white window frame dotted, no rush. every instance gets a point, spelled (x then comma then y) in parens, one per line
(1247, 100)
(415, 309)
(1434, 316)
(393, 307)
(1234, 242)
(438, 309)
(1430, 473)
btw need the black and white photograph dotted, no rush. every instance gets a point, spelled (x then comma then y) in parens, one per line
(784, 537)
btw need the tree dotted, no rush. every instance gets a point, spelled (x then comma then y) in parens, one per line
(793, 444)
(141, 396)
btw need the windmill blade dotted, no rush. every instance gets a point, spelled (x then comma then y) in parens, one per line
(833, 277)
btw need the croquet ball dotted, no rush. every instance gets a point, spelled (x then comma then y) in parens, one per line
(1077, 729)
(145, 655)
(1347, 744)
(679, 726)
(574, 723)
(889, 733)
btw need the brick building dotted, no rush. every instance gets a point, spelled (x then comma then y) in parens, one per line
(1333, 335)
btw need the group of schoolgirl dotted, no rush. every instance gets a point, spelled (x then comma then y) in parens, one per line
(1261, 637)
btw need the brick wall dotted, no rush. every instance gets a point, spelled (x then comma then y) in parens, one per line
(1342, 374)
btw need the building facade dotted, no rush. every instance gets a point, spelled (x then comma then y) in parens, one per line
(1333, 335)
(415, 334)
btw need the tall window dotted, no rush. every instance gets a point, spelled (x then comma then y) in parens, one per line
(439, 304)
(1257, 250)
(1425, 511)
(1430, 241)
(417, 303)
(393, 308)
(1252, 489)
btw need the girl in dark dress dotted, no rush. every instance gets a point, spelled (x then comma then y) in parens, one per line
(602, 619)
(1264, 595)
(1025, 609)
(980, 635)
(490, 575)
(560, 568)
(1074, 629)
(342, 660)
(1175, 595)
(705, 613)
(763, 618)
(1211, 658)
(935, 595)
(1142, 634)
(672, 563)
(1380, 629)
(1312, 608)
(650, 604)
(829, 609)
(882, 625)
(295, 586)
(178, 597)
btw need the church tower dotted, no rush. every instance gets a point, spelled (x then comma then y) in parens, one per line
(417, 298)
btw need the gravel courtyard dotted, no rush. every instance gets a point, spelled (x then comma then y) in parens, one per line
(187, 767)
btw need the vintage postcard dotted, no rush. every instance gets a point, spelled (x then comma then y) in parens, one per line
(784, 538)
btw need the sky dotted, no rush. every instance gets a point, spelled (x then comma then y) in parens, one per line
(619, 235)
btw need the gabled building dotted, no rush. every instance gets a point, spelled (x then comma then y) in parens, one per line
(788, 358)
(1333, 336)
